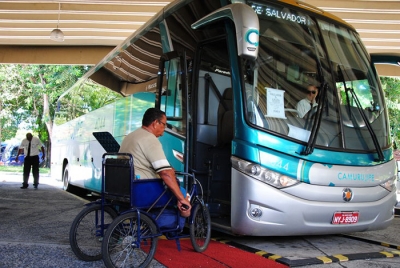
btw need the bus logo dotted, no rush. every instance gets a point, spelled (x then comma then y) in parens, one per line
(347, 194)
(252, 37)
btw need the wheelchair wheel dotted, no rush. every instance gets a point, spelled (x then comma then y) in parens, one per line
(122, 246)
(200, 230)
(85, 233)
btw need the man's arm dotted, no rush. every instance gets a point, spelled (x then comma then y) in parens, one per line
(43, 155)
(169, 178)
(19, 152)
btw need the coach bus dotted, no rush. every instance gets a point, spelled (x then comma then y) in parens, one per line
(229, 75)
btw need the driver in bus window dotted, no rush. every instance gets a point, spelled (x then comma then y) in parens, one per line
(149, 157)
(309, 102)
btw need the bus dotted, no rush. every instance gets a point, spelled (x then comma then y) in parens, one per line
(229, 75)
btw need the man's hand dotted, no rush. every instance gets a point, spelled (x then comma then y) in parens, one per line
(184, 207)
(42, 152)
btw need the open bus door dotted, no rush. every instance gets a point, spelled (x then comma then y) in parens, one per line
(172, 96)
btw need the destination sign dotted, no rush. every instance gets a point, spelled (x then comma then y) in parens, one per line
(279, 13)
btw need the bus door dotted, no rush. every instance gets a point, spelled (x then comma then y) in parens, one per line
(213, 124)
(172, 95)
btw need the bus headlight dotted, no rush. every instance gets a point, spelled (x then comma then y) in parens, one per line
(265, 175)
(390, 184)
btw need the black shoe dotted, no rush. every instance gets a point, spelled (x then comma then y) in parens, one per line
(24, 187)
(35, 187)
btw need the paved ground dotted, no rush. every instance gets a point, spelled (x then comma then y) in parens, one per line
(34, 225)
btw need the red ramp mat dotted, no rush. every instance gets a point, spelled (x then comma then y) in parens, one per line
(217, 255)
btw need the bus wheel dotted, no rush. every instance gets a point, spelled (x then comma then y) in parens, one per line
(66, 185)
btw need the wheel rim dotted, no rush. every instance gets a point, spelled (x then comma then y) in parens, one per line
(124, 249)
(86, 236)
(201, 229)
(66, 179)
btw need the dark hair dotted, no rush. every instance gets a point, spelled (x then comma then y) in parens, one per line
(150, 115)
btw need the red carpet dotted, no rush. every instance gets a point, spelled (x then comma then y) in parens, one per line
(217, 255)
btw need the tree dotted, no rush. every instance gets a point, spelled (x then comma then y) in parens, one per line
(391, 86)
(11, 101)
(29, 94)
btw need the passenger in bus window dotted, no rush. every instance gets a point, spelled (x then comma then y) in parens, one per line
(309, 102)
(30, 146)
(149, 157)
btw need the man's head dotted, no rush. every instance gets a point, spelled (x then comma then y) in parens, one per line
(155, 121)
(29, 136)
(312, 92)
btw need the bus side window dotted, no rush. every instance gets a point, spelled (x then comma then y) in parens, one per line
(172, 99)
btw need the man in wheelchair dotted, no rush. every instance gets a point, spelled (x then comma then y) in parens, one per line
(149, 157)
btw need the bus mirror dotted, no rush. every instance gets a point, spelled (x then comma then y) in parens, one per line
(246, 24)
(386, 64)
(381, 58)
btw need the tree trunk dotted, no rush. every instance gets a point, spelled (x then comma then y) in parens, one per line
(49, 126)
(46, 115)
(47, 120)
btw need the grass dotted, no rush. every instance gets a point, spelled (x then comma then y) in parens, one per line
(18, 169)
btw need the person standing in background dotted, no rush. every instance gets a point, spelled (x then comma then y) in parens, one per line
(30, 147)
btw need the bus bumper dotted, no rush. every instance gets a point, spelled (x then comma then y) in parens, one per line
(261, 210)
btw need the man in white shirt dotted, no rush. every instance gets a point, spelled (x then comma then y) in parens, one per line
(148, 155)
(306, 104)
(30, 147)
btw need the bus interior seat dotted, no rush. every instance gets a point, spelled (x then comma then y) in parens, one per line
(225, 118)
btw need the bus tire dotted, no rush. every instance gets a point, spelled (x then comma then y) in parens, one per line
(200, 229)
(85, 236)
(66, 178)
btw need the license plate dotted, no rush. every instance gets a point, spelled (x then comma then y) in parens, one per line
(347, 217)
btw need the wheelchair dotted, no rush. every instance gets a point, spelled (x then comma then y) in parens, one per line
(123, 227)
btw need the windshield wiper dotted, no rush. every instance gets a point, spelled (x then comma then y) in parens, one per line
(317, 122)
(318, 115)
(364, 117)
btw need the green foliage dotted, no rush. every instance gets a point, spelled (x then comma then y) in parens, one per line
(24, 89)
(391, 87)
(82, 99)
(29, 95)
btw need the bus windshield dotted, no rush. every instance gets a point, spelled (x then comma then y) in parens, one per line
(313, 72)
